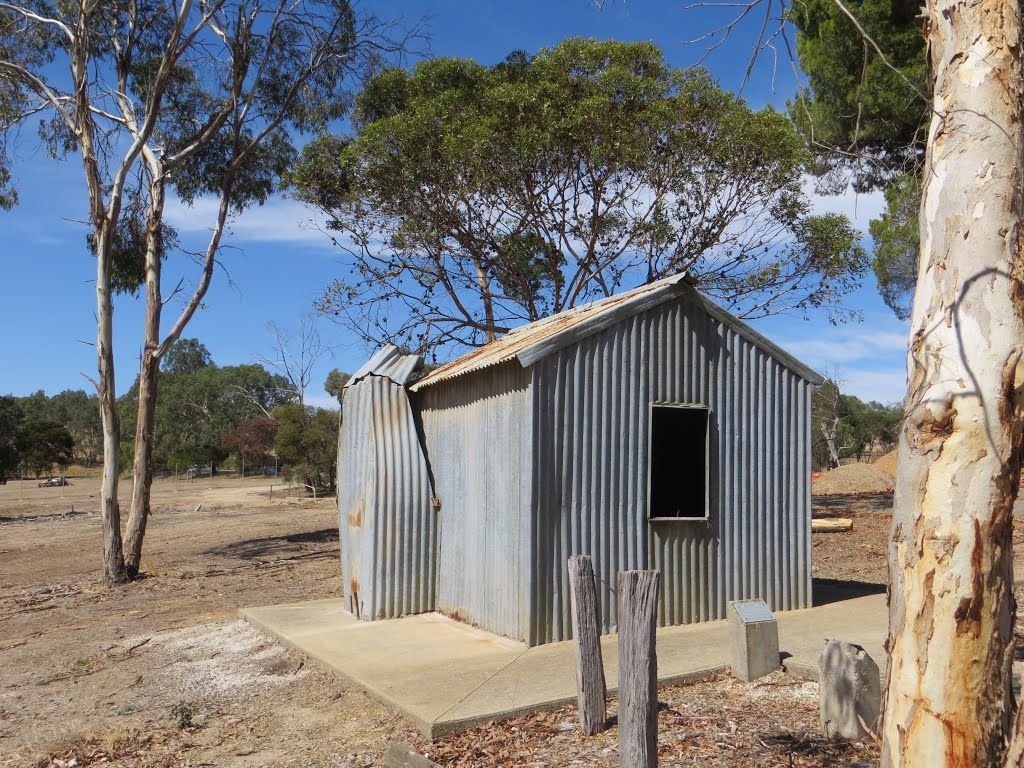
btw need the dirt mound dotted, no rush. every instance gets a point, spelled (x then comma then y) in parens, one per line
(852, 479)
(886, 463)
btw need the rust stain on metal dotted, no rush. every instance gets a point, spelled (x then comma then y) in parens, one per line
(519, 339)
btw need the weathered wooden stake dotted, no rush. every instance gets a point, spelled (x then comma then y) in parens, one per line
(586, 632)
(638, 668)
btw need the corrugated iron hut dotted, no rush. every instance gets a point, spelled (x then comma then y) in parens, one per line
(652, 429)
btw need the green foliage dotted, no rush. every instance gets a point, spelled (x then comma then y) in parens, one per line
(184, 711)
(862, 115)
(855, 428)
(307, 441)
(126, 454)
(200, 403)
(186, 356)
(872, 112)
(128, 250)
(897, 236)
(335, 384)
(252, 441)
(78, 411)
(12, 435)
(46, 442)
(473, 198)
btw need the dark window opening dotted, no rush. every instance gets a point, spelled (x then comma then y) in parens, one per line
(678, 462)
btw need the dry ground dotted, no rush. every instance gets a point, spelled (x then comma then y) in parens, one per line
(860, 555)
(162, 672)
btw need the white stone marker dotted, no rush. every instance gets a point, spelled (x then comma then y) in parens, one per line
(850, 690)
(754, 636)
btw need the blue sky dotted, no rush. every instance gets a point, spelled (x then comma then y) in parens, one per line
(277, 262)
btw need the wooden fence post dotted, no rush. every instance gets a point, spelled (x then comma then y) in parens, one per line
(586, 632)
(638, 668)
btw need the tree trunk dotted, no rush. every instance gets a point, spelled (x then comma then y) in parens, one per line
(948, 698)
(488, 300)
(1015, 753)
(148, 372)
(142, 473)
(113, 560)
(831, 444)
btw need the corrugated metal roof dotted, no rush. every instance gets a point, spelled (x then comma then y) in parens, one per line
(538, 339)
(527, 337)
(390, 362)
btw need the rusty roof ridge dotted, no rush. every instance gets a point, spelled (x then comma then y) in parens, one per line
(528, 343)
(534, 341)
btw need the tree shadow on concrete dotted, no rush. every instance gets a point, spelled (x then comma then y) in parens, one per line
(828, 591)
(845, 504)
(306, 545)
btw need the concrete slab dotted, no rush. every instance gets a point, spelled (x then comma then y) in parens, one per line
(544, 677)
(419, 664)
(863, 621)
(446, 676)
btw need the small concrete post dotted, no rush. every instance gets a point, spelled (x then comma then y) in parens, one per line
(586, 632)
(638, 668)
(754, 637)
(850, 690)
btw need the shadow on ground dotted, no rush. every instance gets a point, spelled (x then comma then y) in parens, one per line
(35, 518)
(305, 545)
(828, 591)
(843, 505)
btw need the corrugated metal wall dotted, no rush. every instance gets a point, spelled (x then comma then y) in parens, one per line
(388, 527)
(591, 427)
(477, 431)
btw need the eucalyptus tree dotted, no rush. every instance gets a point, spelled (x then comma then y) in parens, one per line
(73, 63)
(949, 696)
(12, 437)
(204, 98)
(474, 198)
(944, 109)
(864, 113)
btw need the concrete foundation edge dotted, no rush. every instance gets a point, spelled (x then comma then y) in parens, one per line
(440, 728)
(418, 723)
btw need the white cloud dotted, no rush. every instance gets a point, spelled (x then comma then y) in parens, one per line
(859, 208)
(279, 220)
(322, 401)
(882, 386)
(869, 359)
(848, 347)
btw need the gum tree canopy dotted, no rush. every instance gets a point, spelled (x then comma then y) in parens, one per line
(473, 198)
(865, 116)
(196, 99)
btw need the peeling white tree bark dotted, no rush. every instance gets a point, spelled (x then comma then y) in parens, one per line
(948, 698)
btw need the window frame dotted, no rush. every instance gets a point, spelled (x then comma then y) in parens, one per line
(706, 517)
